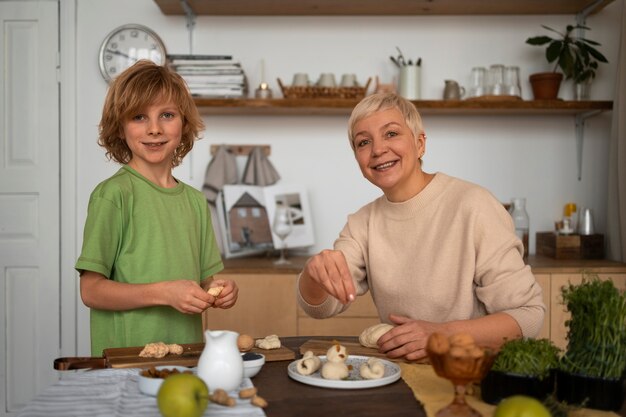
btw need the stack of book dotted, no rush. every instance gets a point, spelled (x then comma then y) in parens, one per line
(211, 75)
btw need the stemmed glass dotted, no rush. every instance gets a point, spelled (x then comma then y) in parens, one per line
(461, 371)
(282, 227)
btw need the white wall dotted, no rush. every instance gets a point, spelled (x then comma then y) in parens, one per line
(530, 156)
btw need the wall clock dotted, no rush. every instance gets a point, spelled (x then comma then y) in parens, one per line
(126, 45)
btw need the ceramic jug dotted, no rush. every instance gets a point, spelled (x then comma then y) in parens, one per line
(452, 90)
(220, 364)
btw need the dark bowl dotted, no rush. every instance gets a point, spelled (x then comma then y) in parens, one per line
(599, 393)
(499, 385)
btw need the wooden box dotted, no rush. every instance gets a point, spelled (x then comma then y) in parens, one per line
(570, 246)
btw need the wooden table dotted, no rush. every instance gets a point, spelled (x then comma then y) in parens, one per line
(288, 398)
(115, 392)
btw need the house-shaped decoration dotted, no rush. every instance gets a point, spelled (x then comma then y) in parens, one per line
(249, 224)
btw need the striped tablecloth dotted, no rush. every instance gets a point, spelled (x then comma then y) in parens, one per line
(114, 392)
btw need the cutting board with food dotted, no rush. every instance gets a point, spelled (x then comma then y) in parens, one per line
(128, 357)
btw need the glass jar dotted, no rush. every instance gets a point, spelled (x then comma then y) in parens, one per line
(521, 221)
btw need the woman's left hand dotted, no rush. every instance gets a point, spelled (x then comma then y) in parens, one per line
(407, 339)
(228, 296)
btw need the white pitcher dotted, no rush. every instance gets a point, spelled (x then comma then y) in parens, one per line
(220, 364)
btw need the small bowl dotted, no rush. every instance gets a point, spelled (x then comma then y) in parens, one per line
(252, 363)
(150, 386)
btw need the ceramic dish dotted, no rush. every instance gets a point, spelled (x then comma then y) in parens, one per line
(150, 386)
(354, 380)
(252, 363)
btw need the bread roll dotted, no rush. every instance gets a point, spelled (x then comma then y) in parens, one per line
(370, 336)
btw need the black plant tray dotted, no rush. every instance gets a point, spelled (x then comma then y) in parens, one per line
(600, 394)
(498, 385)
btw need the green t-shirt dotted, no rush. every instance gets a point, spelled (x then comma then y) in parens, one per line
(137, 232)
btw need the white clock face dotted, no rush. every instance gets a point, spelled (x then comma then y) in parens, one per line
(126, 45)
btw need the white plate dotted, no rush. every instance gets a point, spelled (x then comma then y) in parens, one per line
(354, 380)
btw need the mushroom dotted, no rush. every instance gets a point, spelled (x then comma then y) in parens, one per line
(308, 364)
(372, 369)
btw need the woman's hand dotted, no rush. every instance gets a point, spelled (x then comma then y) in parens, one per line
(228, 296)
(408, 339)
(326, 274)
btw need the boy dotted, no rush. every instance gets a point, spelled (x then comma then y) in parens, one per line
(149, 252)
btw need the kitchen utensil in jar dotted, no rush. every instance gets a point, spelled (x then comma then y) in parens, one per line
(496, 80)
(477, 82)
(409, 84)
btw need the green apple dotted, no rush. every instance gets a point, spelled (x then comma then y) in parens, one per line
(521, 406)
(183, 395)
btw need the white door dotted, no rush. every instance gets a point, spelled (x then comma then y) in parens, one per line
(29, 200)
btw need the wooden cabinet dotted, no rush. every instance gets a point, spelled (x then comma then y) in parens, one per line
(553, 274)
(361, 314)
(267, 299)
(266, 305)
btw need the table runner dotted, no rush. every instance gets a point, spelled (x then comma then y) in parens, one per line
(435, 393)
(114, 392)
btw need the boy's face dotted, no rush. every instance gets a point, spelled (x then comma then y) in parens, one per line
(153, 134)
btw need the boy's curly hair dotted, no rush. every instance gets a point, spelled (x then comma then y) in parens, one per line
(142, 85)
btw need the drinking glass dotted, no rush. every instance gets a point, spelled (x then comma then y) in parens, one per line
(282, 227)
(511, 81)
(477, 82)
(496, 80)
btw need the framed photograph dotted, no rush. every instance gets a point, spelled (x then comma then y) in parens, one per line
(247, 219)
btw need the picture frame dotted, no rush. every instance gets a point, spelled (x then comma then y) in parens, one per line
(245, 217)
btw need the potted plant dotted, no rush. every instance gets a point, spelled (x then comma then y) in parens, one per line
(575, 55)
(593, 368)
(522, 367)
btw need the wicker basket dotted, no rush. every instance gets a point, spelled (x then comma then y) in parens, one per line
(324, 92)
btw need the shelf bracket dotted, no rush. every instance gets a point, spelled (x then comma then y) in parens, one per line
(580, 134)
(581, 16)
(191, 22)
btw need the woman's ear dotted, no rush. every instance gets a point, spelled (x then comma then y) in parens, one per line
(421, 145)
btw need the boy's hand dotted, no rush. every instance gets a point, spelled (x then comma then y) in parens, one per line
(227, 297)
(187, 296)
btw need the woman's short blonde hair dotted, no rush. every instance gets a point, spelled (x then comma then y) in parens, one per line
(142, 85)
(384, 101)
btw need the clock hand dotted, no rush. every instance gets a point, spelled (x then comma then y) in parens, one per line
(120, 53)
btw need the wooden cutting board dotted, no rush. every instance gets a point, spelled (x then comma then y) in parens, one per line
(320, 347)
(129, 357)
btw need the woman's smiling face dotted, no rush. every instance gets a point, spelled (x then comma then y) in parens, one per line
(388, 153)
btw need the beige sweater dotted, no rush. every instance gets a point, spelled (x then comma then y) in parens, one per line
(449, 253)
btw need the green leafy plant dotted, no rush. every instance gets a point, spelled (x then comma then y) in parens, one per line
(528, 357)
(596, 330)
(575, 55)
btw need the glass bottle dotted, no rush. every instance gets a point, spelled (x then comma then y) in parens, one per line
(521, 221)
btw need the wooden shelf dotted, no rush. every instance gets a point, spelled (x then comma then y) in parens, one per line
(377, 7)
(449, 107)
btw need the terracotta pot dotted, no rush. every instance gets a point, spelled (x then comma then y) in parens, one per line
(546, 85)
